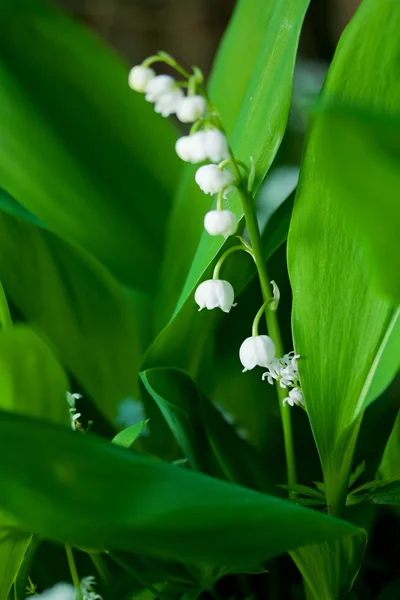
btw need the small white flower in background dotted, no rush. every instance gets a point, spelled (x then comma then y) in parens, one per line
(221, 222)
(295, 397)
(139, 77)
(216, 145)
(60, 591)
(257, 350)
(88, 593)
(212, 180)
(158, 86)
(215, 293)
(71, 399)
(191, 109)
(191, 148)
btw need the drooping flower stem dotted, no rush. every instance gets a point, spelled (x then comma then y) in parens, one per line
(6, 323)
(271, 315)
(74, 572)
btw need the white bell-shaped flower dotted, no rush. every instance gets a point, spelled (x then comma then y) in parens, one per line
(167, 104)
(216, 145)
(139, 78)
(220, 222)
(257, 350)
(191, 148)
(158, 86)
(295, 397)
(212, 180)
(60, 591)
(191, 109)
(215, 293)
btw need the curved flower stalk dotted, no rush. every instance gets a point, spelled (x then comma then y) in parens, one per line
(224, 173)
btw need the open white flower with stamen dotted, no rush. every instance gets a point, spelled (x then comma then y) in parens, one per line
(60, 591)
(191, 148)
(88, 593)
(211, 180)
(139, 78)
(215, 293)
(158, 86)
(295, 397)
(257, 350)
(191, 109)
(216, 145)
(220, 222)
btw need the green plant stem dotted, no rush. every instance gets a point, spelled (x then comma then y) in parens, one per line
(271, 318)
(101, 567)
(5, 318)
(74, 572)
(135, 574)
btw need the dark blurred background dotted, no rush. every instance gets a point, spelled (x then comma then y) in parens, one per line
(191, 29)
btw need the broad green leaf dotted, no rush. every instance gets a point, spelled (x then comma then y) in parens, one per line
(32, 383)
(152, 507)
(344, 331)
(31, 380)
(387, 493)
(78, 148)
(364, 156)
(330, 569)
(75, 301)
(206, 439)
(253, 94)
(128, 436)
(13, 546)
(390, 465)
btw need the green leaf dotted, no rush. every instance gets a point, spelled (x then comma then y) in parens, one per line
(128, 436)
(208, 442)
(76, 302)
(364, 156)
(31, 380)
(345, 333)
(32, 383)
(252, 94)
(78, 148)
(390, 465)
(330, 569)
(358, 471)
(152, 507)
(13, 546)
(386, 493)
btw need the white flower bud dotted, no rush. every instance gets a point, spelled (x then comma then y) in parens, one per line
(257, 350)
(168, 103)
(159, 86)
(295, 397)
(211, 180)
(191, 148)
(215, 293)
(216, 146)
(139, 77)
(191, 109)
(220, 222)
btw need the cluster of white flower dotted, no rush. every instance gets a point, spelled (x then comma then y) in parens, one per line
(205, 144)
(285, 371)
(206, 141)
(66, 591)
(259, 350)
(71, 399)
